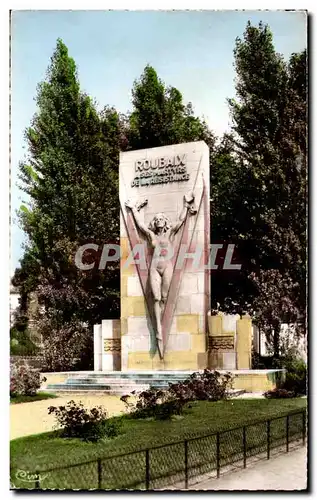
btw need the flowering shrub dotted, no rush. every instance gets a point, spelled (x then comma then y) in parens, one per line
(65, 347)
(210, 385)
(163, 404)
(24, 381)
(157, 403)
(88, 424)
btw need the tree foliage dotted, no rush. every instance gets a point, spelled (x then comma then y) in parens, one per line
(258, 190)
(160, 117)
(266, 160)
(71, 178)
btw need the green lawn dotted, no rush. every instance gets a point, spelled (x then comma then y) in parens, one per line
(46, 451)
(27, 399)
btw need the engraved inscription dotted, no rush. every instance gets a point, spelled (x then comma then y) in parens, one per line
(221, 343)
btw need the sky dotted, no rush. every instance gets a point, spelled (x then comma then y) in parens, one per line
(190, 50)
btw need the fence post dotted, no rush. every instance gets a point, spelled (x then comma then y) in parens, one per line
(304, 426)
(287, 433)
(147, 469)
(244, 446)
(218, 454)
(99, 473)
(186, 463)
(268, 428)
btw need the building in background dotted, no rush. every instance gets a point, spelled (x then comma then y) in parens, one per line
(288, 337)
(14, 302)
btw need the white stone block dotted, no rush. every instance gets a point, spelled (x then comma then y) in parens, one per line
(162, 203)
(97, 362)
(107, 329)
(229, 322)
(136, 344)
(229, 361)
(134, 287)
(197, 303)
(107, 362)
(137, 325)
(183, 304)
(141, 344)
(97, 339)
(97, 348)
(201, 281)
(188, 284)
(179, 342)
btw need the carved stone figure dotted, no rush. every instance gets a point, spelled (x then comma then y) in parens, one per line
(160, 235)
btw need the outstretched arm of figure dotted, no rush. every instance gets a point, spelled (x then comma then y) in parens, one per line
(181, 220)
(135, 210)
(188, 205)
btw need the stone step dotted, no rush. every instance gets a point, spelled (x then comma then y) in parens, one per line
(162, 373)
(117, 381)
(131, 377)
(126, 389)
(113, 389)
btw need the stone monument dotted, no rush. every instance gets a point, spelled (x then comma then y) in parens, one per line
(166, 330)
(164, 237)
(165, 322)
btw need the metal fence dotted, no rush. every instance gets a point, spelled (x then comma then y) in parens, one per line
(179, 464)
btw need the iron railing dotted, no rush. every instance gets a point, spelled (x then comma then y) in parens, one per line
(177, 464)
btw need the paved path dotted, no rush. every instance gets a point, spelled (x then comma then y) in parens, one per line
(287, 471)
(33, 418)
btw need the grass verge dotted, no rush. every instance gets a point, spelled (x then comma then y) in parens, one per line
(27, 399)
(45, 451)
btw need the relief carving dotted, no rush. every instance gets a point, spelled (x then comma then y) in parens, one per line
(160, 235)
(112, 345)
(221, 343)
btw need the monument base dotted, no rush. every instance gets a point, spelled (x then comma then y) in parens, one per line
(223, 344)
(110, 382)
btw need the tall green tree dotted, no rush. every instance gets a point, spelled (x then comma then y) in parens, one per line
(71, 178)
(160, 117)
(231, 291)
(269, 126)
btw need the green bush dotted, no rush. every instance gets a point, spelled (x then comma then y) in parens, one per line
(154, 403)
(209, 385)
(295, 377)
(279, 394)
(21, 344)
(87, 424)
